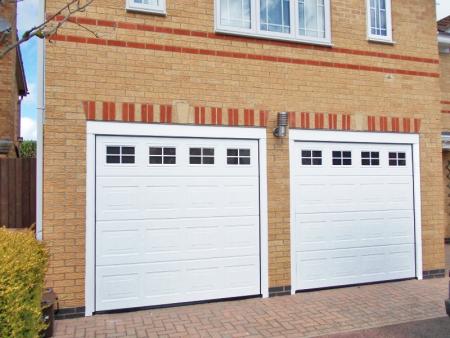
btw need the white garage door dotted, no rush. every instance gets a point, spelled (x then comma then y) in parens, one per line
(354, 213)
(177, 220)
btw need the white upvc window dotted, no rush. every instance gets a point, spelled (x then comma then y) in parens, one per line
(379, 20)
(150, 6)
(297, 20)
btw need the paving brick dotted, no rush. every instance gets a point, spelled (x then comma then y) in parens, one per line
(304, 314)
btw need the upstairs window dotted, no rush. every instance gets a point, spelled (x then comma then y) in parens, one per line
(235, 13)
(379, 24)
(151, 6)
(275, 16)
(297, 20)
(312, 14)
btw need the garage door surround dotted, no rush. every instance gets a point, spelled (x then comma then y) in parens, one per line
(96, 130)
(404, 141)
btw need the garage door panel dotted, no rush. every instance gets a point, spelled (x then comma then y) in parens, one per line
(158, 283)
(353, 229)
(353, 223)
(332, 194)
(118, 201)
(344, 266)
(176, 232)
(170, 240)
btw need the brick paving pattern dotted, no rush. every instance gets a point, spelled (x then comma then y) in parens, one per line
(302, 315)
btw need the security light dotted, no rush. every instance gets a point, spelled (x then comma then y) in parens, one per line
(282, 123)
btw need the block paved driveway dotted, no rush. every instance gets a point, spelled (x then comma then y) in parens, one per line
(305, 314)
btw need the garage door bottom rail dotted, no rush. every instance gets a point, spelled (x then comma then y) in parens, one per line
(353, 285)
(162, 306)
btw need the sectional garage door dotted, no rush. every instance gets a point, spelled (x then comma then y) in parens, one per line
(177, 220)
(354, 213)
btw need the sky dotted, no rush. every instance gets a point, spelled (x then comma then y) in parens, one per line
(26, 18)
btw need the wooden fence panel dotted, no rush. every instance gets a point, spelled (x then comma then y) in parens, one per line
(17, 192)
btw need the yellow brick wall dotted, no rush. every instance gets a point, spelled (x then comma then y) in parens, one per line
(78, 71)
(446, 172)
(445, 89)
(9, 123)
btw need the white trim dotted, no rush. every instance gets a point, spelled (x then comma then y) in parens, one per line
(263, 211)
(135, 7)
(444, 43)
(90, 225)
(380, 38)
(417, 208)
(40, 117)
(445, 142)
(255, 31)
(94, 128)
(296, 135)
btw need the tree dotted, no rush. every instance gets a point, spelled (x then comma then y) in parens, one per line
(46, 29)
(27, 149)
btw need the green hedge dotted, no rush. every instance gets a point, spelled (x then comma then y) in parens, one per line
(23, 261)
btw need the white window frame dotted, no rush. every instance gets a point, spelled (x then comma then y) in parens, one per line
(380, 38)
(255, 23)
(160, 9)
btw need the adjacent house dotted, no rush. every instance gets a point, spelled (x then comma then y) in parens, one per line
(202, 150)
(444, 54)
(13, 85)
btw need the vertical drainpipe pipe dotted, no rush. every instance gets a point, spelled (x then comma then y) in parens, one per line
(40, 124)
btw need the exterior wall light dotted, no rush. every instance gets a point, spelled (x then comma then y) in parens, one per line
(282, 123)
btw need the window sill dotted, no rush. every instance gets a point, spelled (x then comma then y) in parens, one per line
(154, 11)
(273, 37)
(381, 40)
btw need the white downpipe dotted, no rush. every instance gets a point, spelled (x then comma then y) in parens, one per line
(444, 39)
(40, 125)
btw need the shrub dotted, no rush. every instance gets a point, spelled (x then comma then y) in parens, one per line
(27, 149)
(23, 262)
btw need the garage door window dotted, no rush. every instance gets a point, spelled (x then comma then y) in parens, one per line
(397, 159)
(311, 157)
(342, 158)
(119, 154)
(162, 155)
(370, 158)
(201, 155)
(238, 156)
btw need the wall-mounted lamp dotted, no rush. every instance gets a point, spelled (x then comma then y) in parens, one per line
(282, 123)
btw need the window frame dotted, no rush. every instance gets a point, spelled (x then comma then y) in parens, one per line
(255, 24)
(162, 164)
(342, 158)
(238, 157)
(202, 155)
(120, 154)
(380, 38)
(370, 159)
(397, 159)
(311, 158)
(160, 10)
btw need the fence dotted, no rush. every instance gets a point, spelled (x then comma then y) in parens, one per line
(17, 192)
